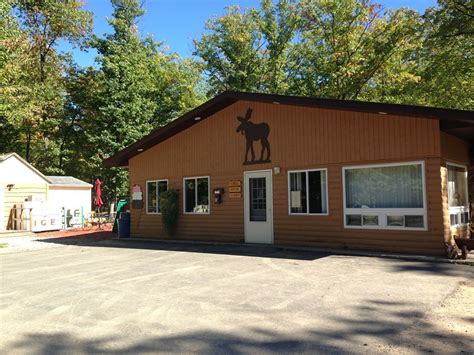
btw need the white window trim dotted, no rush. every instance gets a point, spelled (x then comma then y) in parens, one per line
(382, 213)
(307, 191)
(208, 193)
(458, 209)
(146, 184)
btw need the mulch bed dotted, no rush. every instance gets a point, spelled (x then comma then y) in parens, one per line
(88, 233)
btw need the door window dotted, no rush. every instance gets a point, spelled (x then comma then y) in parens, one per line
(258, 199)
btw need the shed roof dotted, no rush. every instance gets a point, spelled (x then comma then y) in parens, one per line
(67, 181)
(5, 156)
(51, 180)
(456, 122)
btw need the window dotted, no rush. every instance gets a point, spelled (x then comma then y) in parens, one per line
(153, 191)
(457, 195)
(385, 196)
(307, 192)
(258, 199)
(196, 195)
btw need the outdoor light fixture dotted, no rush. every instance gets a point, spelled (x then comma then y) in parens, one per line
(140, 150)
(382, 113)
(197, 118)
(276, 170)
(275, 102)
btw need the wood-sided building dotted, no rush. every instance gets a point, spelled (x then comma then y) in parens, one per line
(297, 171)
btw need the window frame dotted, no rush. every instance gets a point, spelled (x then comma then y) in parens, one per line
(383, 213)
(458, 209)
(208, 193)
(158, 196)
(307, 192)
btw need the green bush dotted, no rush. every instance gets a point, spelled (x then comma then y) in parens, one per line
(169, 211)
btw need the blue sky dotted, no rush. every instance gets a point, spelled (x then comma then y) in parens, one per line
(178, 22)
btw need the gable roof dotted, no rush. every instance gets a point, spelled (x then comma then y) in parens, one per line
(67, 181)
(51, 180)
(5, 156)
(456, 122)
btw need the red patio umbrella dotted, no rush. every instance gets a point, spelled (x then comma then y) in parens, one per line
(98, 194)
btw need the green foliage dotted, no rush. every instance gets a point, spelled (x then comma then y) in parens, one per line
(446, 58)
(32, 74)
(169, 205)
(346, 44)
(345, 49)
(66, 119)
(138, 87)
(248, 50)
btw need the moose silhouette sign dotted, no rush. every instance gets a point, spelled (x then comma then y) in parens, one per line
(254, 132)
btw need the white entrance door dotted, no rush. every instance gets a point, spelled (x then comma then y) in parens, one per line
(258, 207)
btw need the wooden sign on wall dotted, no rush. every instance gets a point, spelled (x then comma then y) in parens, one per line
(235, 189)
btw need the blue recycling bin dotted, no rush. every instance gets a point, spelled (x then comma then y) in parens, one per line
(124, 225)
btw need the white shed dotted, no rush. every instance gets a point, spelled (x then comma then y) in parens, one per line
(71, 194)
(21, 182)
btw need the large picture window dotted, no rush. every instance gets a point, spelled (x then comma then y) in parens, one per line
(458, 195)
(153, 190)
(307, 192)
(385, 196)
(196, 195)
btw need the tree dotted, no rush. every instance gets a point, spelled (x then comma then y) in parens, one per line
(34, 92)
(14, 49)
(346, 44)
(138, 87)
(339, 49)
(446, 59)
(248, 50)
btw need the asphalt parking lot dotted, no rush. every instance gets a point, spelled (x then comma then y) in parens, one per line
(138, 297)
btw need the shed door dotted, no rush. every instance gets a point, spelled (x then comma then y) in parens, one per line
(258, 207)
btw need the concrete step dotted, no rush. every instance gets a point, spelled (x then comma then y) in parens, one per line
(15, 233)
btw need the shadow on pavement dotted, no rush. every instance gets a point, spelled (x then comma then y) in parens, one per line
(370, 327)
(105, 239)
(434, 268)
(108, 239)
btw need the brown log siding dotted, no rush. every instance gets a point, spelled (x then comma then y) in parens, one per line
(300, 138)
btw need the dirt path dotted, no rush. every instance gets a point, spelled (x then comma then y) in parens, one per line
(453, 321)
